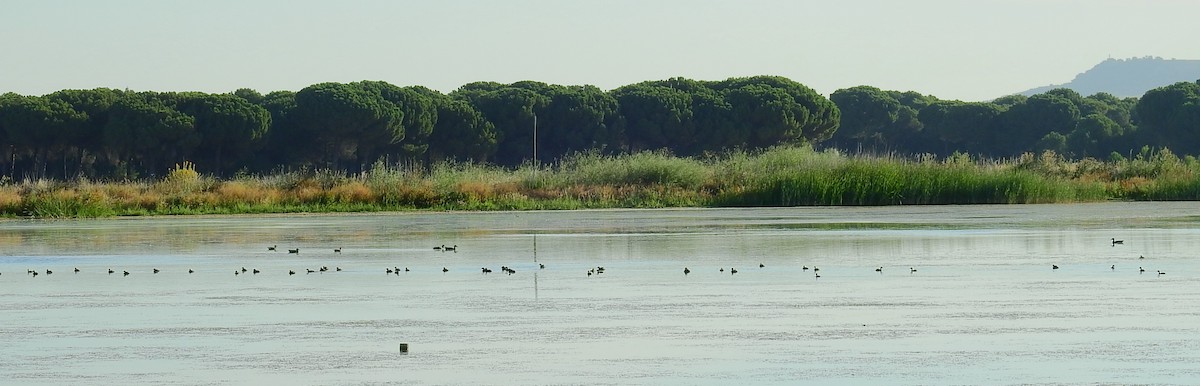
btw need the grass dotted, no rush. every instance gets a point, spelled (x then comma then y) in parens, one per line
(784, 176)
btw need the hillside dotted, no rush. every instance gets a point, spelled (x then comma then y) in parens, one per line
(1129, 77)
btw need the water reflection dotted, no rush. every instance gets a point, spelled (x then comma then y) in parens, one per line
(983, 307)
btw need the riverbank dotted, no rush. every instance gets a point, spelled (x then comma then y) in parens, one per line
(775, 177)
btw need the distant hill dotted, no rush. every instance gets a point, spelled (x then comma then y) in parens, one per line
(1129, 77)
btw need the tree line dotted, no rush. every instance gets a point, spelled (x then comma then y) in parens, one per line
(1061, 120)
(121, 134)
(106, 133)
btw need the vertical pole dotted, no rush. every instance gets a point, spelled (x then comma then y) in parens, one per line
(536, 164)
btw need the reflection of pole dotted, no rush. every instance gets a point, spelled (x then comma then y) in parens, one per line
(535, 283)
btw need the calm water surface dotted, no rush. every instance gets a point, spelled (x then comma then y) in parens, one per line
(983, 307)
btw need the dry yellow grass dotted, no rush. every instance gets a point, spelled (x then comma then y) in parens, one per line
(352, 193)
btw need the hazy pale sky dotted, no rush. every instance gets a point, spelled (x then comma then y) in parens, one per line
(954, 49)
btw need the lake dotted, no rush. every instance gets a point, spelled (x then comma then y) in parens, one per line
(963, 295)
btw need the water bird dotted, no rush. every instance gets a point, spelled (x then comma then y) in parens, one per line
(272, 248)
(816, 275)
(732, 271)
(589, 273)
(912, 270)
(34, 273)
(1113, 267)
(444, 270)
(125, 273)
(722, 269)
(337, 250)
(291, 272)
(405, 270)
(389, 270)
(339, 269)
(452, 249)
(243, 269)
(1054, 266)
(541, 266)
(599, 270)
(76, 269)
(255, 271)
(686, 271)
(815, 269)
(760, 265)
(486, 270)
(1141, 257)
(440, 248)
(191, 271)
(1140, 270)
(1161, 273)
(309, 270)
(297, 250)
(236, 272)
(1115, 241)
(880, 269)
(48, 272)
(156, 270)
(110, 271)
(806, 268)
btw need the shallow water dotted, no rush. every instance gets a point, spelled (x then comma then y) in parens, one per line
(983, 307)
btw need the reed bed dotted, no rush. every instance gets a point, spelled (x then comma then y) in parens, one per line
(783, 176)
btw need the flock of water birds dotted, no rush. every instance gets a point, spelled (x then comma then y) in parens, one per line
(396, 270)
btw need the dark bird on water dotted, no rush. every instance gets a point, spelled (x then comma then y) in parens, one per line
(1113, 267)
(760, 265)
(444, 270)
(880, 269)
(541, 266)
(191, 271)
(272, 248)
(156, 270)
(1115, 241)
(912, 270)
(1140, 270)
(339, 269)
(255, 272)
(686, 271)
(337, 250)
(110, 271)
(1054, 267)
(732, 271)
(291, 272)
(76, 270)
(1162, 273)
(125, 273)
(297, 250)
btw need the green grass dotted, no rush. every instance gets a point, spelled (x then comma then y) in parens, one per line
(785, 176)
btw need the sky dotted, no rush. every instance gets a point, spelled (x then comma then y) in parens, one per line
(952, 49)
